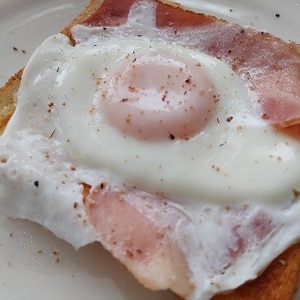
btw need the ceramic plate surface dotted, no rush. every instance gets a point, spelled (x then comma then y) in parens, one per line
(34, 264)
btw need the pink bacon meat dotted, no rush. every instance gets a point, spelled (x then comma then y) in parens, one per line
(269, 65)
(155, 239)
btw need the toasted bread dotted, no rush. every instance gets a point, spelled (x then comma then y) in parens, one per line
(278, 281)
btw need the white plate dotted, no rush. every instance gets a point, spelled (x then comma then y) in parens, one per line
(33, 263)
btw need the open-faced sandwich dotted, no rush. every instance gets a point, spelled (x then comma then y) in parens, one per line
(170, 137)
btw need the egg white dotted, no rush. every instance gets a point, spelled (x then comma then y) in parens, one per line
(244, 159)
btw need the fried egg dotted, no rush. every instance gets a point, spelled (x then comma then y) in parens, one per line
(129, 105)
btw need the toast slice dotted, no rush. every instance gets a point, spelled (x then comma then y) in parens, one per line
(278, 281)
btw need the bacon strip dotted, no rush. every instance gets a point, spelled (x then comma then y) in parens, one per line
(138, 229)
(269, 65)
(164, 247)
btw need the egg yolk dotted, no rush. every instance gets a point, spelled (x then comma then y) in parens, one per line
(158, 96)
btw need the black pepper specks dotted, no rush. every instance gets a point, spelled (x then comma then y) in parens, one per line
(102, 185)
(189, 80)
(52, 134)
(264, 116)
(277, 15)
(36, 183)
(17, 49)
(171, 137)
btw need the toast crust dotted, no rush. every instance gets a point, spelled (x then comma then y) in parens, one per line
(7, 98)
(279, 281)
